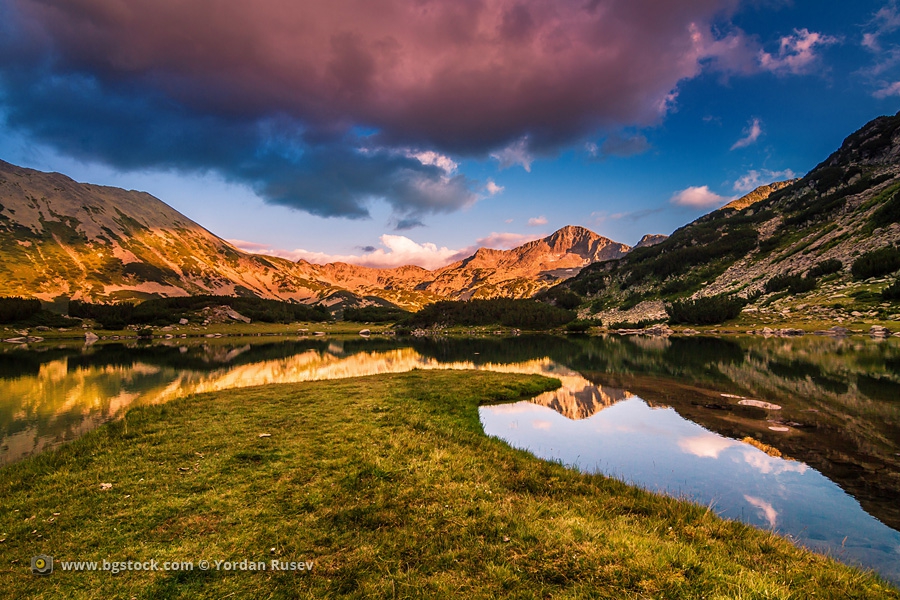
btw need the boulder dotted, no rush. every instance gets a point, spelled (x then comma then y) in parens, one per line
(660, 329)
(877, 331)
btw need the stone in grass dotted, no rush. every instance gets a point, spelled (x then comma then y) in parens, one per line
(877, 331)
(759, 404)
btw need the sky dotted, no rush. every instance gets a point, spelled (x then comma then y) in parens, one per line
(413, 132)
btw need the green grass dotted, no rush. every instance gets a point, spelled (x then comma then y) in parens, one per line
(390, 487)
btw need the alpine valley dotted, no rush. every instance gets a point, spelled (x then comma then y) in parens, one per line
(830, 238)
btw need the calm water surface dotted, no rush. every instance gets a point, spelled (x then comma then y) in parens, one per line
(801, 436)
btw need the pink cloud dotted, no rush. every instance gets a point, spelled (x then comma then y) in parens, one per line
(892, 89)
(506, 241)
(492, 188)
(699, 197)
(463, 75)
(796, 53)
(395, 251)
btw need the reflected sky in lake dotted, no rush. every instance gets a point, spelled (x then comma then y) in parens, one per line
(655, 448)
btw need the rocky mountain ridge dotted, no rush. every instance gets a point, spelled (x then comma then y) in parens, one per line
(82, 241)
(812, 232)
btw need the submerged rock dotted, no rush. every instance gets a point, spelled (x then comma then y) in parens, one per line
(836, 331)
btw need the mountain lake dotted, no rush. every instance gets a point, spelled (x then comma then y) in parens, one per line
(798, 435)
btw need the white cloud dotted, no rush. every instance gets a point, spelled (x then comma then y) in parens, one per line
(516, 153)
(699, 197)
(796, 53)
(751, 134)
(705, 446)
(492, 188)
(766, 464)
(753, 179)
(766, 508)
(396, 251)
(537, 221)
(429, 157)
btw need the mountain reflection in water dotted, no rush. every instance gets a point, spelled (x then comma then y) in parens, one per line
(706, 418)
(69, 396)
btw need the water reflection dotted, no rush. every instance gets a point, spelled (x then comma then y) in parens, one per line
(71, 395)
(655, 448)
(667, 414)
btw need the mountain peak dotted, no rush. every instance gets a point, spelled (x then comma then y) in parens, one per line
(651, 239)
(875, 143)
(758, 195)
(580, 241)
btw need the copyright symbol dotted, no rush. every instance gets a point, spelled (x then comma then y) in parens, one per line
(204, 565)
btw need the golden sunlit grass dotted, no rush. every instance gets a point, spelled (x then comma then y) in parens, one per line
(390, 487)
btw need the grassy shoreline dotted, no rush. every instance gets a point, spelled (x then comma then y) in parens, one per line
(739, 326)
(390, 487)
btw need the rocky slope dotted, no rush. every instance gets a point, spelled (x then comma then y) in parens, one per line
(63, 238)
(526, 270)
(846, 207)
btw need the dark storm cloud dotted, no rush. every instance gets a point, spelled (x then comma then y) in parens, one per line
(275, 93)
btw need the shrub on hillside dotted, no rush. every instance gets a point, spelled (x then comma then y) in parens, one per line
(889, 212)
(588, 282)
(891, 292)
(162, 311)
(642, 324)
(825, 267)
(18, 309)
(375, 314)
(792, 283)
(525, 314)
(560, 296)
(876, 263)
(705, 311)
(580, 325)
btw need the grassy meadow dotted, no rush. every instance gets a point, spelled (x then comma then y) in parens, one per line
(388, 485)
